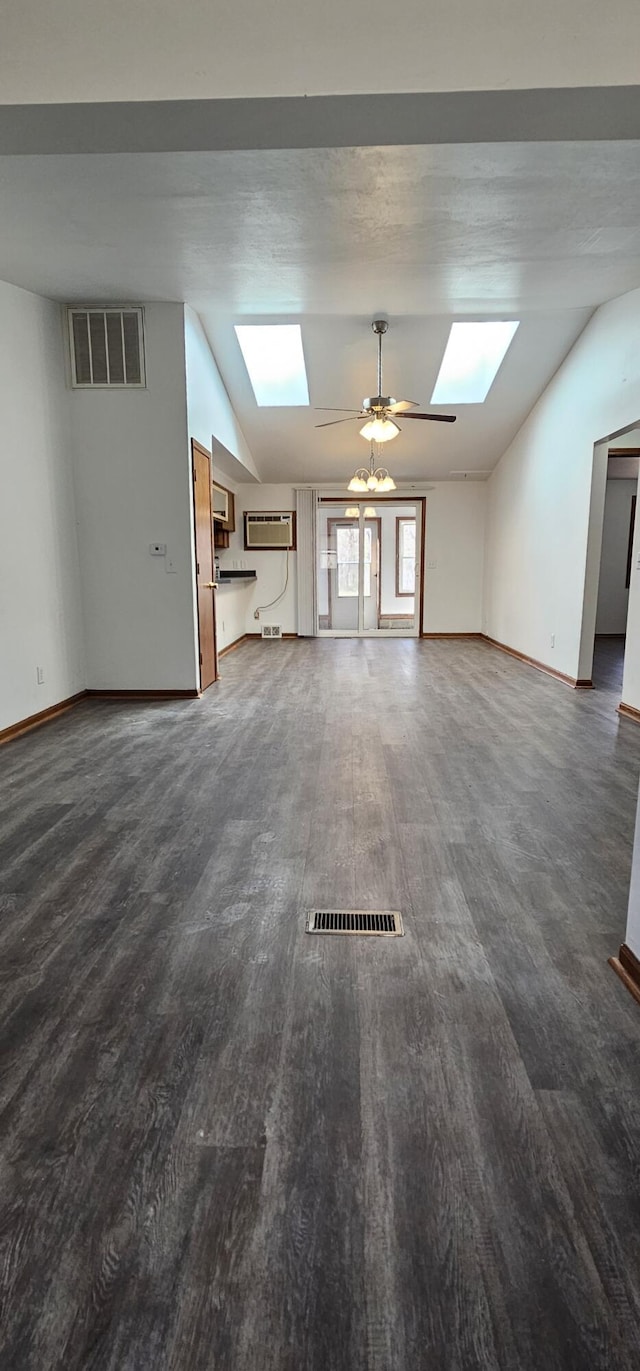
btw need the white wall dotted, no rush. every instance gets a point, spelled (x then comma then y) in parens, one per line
(40, 612)
(133, 488)
(270, 566)
(613, 596)
(540, 493)
(454, 557)
(208, 405)
(112, 52)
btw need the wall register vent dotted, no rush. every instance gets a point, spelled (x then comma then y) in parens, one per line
(385, 923)
(272, 630)
(107, 348)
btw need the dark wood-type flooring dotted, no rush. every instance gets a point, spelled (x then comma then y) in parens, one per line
(226, 1144)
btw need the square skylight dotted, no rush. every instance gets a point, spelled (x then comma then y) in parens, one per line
(472, 358)
(275, 362)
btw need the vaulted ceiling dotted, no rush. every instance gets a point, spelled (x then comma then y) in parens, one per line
(331, 238)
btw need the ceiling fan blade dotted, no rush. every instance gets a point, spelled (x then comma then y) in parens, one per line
(329, 409)
(401, 405)
(438, 418)
(331, 422)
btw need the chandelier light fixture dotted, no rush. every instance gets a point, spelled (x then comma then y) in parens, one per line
(373, 479)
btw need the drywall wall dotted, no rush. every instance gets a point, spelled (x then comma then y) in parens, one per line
(632, 935)
(133, 488)
(454, 557)
(209, 409)
(40, 611)
(540, 495)
(454, 542)
(271, 567)
(613, 594)
(98, 52)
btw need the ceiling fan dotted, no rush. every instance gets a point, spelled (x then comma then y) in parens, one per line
(379, 409)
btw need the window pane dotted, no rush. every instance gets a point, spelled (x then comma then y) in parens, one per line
(406, 556)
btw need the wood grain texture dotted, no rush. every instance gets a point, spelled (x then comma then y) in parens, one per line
(227, 1145)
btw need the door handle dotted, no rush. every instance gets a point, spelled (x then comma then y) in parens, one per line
(207, 585)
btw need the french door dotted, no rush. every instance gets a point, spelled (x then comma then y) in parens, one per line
(367, 574)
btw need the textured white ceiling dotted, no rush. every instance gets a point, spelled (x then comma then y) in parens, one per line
(164, 49)
(542, 232)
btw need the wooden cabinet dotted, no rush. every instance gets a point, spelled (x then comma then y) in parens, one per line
(223, 507)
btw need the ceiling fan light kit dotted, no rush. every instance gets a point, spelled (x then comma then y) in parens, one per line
(380, 427)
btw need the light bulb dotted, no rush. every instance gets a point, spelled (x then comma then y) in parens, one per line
(357, 483)
(351, 512)
(379, 430)
(372, 483)
(387, 483)
(369, 512)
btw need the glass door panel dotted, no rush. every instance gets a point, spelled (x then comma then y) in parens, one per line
(367, 571)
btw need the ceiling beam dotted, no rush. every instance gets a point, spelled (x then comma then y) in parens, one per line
(580, 114)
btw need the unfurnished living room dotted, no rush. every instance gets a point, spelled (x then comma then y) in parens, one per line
(319, 686)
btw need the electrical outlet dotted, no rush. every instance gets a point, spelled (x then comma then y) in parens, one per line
(40, 675)
(431, 566)
(169, 564)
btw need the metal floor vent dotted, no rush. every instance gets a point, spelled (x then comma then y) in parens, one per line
(386, 923)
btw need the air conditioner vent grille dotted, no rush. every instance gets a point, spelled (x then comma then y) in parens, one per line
(270, 531)
(107, 347)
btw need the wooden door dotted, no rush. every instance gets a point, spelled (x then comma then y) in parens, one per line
(204, 563)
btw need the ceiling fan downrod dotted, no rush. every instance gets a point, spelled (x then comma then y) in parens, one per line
(380, 327)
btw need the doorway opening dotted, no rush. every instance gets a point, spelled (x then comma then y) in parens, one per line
(610, 561)
(369, 567)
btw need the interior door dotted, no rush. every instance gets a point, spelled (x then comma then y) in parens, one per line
(205, 587)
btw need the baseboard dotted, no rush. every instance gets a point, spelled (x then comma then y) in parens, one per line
(619, 636)
(143, 694)
(231, 647)
(627, 966)
(575, 683)
(44, 716)
(628, 712)
(259, 635)
(451, 635)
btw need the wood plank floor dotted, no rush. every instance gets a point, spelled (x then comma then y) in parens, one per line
(228, 1146)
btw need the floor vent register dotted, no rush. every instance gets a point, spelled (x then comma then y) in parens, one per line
(380, 923)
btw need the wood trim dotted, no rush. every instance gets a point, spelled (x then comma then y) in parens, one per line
(204, 452)
(576, 684)
(231, 647)
(144, 694)
(283, 635)
(624, 452)
(632, 524)
(43, 717)
(451, 635)
(628, 712)
(627, 966)
(422, 563)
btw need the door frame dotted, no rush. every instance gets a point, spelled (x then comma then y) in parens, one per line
(420, 502)
(204, 452)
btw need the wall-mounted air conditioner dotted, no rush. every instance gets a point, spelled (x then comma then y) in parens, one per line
(271, 531)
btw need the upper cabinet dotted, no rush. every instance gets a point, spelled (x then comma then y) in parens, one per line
(223, 507)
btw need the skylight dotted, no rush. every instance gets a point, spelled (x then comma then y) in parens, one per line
(471, 362)
(275, 362)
